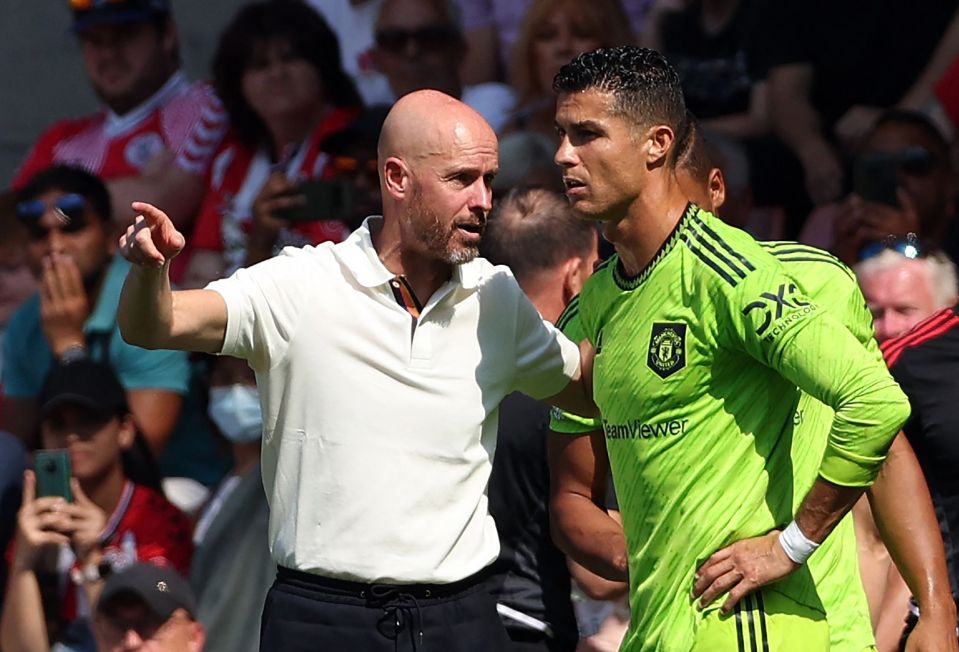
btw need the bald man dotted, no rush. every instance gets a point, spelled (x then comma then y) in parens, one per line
(381, 362)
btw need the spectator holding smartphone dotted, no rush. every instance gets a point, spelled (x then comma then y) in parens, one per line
(277, 70)
(64, 550)
(904, 184)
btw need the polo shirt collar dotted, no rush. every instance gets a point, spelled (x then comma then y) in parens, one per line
(103, 317)
(360, 257)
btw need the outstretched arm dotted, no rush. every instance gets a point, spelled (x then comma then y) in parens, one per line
(150, 314)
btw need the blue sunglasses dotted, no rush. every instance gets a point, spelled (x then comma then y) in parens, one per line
(69, 208)
(907, 246)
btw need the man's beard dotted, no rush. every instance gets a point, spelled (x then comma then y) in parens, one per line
(437, 241)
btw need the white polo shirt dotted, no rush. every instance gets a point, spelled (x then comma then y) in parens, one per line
(378, 437)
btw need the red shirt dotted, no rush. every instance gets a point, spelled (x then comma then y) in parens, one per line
(145, 526)
(236, 176)
(112, 146)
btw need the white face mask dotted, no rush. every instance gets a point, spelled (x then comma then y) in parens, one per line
(235, 409)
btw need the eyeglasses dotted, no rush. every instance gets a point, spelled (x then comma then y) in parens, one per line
(70, 213)
(907, 246)
(433, 38)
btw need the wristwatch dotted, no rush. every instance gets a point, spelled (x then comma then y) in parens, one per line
(91, 572)
(73, 353)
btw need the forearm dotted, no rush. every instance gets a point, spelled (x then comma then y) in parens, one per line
(22, 625)
(823, 508)
(145, 311)
(793, 116)
(906, 520)
(594, 586)
(589, 536)
(737, 125)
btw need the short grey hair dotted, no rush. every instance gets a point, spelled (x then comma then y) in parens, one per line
(940, 272)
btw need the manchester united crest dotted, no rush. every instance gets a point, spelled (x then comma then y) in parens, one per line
(667, 349)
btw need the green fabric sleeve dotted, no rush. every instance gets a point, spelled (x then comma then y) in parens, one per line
(769, 317)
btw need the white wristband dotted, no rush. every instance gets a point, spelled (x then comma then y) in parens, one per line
(795, 544)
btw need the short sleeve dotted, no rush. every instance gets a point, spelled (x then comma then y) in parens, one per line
(263, 307)
(546, 360)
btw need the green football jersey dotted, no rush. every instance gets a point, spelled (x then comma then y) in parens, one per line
(698, 369)
(835, 566)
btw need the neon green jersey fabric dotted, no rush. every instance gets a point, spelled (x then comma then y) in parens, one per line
(835, 566)
(698, 369)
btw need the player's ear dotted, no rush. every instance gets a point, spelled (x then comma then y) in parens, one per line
(573, 278)
(717, 188)
(660, 140)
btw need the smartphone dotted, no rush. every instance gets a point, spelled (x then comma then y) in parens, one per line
(52, 468)
(874, 179)
(324, 199)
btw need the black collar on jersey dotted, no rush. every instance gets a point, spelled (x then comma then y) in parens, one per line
(626, 282)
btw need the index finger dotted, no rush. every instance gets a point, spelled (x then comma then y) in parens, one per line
(153, 215)
(715, 558)
(29, 487)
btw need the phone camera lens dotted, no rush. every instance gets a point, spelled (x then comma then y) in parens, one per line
(50, 467)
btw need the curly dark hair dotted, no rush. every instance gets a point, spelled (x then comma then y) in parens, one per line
(645, 87)
(309, 37)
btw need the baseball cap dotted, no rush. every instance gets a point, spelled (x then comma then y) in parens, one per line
(91, 13)
(161, 588)
(88, 383)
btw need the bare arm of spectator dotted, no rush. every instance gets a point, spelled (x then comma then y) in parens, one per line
(798, 124)
(41, 524)
(150, 314)
(155, 412)
(752, 123)
(906, 519)
(581, 526)
(162, 183)
(942, 57)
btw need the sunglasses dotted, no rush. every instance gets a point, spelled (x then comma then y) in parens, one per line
(907, 246)
(434, 38)
(347, 166)
(69, 209)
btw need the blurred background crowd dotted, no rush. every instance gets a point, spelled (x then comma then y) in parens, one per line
(254, 125)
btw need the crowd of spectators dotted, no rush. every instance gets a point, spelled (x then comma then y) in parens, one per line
(823, 122)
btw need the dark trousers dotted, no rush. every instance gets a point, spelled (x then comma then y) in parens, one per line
(308, 613)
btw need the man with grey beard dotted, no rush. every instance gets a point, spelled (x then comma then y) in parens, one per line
(381, 362)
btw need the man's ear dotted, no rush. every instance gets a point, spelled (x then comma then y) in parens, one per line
(396, 177)
(717, 188)
(574, 277)
(659, 139)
